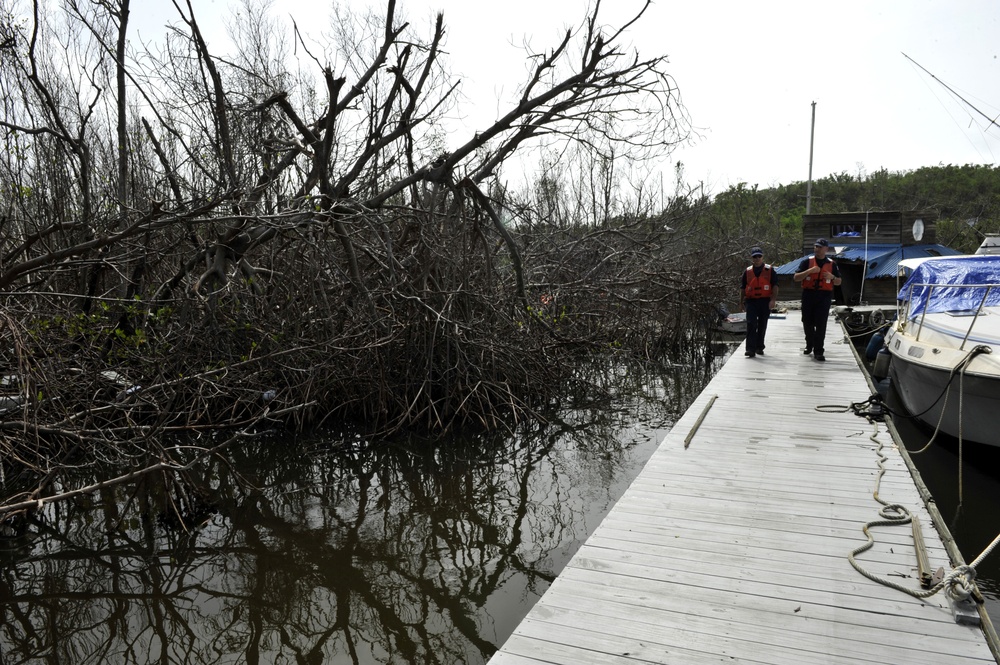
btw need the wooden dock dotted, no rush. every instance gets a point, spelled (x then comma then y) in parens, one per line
(735, 548)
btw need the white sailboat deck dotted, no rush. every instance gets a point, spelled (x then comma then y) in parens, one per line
(734, 549)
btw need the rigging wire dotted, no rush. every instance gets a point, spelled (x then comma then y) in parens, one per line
(990, 121)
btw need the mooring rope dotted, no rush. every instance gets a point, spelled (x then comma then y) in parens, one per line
(961, 366)
(961, 417)
(958, 583)
(876, 408)
(879, 408)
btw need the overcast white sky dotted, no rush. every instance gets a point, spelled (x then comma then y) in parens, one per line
(749, 71)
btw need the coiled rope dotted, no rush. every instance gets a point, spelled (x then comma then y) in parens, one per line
(958, 582)
(876, 408)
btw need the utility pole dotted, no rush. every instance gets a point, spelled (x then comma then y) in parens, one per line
(809, 184)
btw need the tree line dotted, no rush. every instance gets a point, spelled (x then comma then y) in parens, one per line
(965, 198)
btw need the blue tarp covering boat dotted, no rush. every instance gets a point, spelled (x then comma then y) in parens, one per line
(883, 259)
(952, 284)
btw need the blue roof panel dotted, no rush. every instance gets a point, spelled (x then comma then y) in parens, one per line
(883, 260)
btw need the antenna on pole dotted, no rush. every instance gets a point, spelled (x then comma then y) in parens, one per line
(809, 184)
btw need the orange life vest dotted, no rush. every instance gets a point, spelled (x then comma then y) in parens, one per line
(759, 286)
(814, 281)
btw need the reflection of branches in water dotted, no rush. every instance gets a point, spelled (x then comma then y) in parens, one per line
(402, 552)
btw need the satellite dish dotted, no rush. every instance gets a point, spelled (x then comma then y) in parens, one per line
(918, 230)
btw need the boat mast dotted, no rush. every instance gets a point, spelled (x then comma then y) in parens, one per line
(991, 121)
(809, 184)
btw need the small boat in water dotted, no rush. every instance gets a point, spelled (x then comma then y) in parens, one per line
(734, 324)
(945, 345)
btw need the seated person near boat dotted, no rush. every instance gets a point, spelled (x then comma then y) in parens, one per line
(759, 288)
(818, 275)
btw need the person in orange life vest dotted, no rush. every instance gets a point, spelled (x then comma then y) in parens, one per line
(759, 289)
(818, 275)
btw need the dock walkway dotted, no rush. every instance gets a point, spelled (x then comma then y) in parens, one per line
(735, 549)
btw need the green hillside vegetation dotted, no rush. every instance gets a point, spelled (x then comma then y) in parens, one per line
(966, 199)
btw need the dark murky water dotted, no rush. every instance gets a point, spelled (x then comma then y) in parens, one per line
(326, 551)
(334, 551)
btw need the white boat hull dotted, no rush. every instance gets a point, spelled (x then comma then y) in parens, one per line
(922, 373)
(973, 416)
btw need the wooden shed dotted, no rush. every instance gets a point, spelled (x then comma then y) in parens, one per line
(867, 247)
(855, 228)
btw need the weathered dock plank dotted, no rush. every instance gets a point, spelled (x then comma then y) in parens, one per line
(733, 548)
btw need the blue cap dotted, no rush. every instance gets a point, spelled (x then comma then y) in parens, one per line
(821, 242)
(756, 251)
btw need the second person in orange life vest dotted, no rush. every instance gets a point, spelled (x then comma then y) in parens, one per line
(818, 275)
(759, 290)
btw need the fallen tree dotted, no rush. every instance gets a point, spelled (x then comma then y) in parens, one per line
(217, 248)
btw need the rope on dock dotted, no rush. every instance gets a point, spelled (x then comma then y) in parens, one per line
(957, 583)
(872, 408)
(877, 410)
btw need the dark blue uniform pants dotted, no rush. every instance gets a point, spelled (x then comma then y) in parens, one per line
(758, 312)
(815, 313)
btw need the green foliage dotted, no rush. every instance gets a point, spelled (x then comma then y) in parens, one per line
(547, 312)
(963, 196)
(966, 199)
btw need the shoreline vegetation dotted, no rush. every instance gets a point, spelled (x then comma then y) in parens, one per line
(195, 244)
(198, 248)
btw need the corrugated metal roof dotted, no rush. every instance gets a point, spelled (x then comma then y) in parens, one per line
(883, 260)
(791, 267)
(857, 252)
